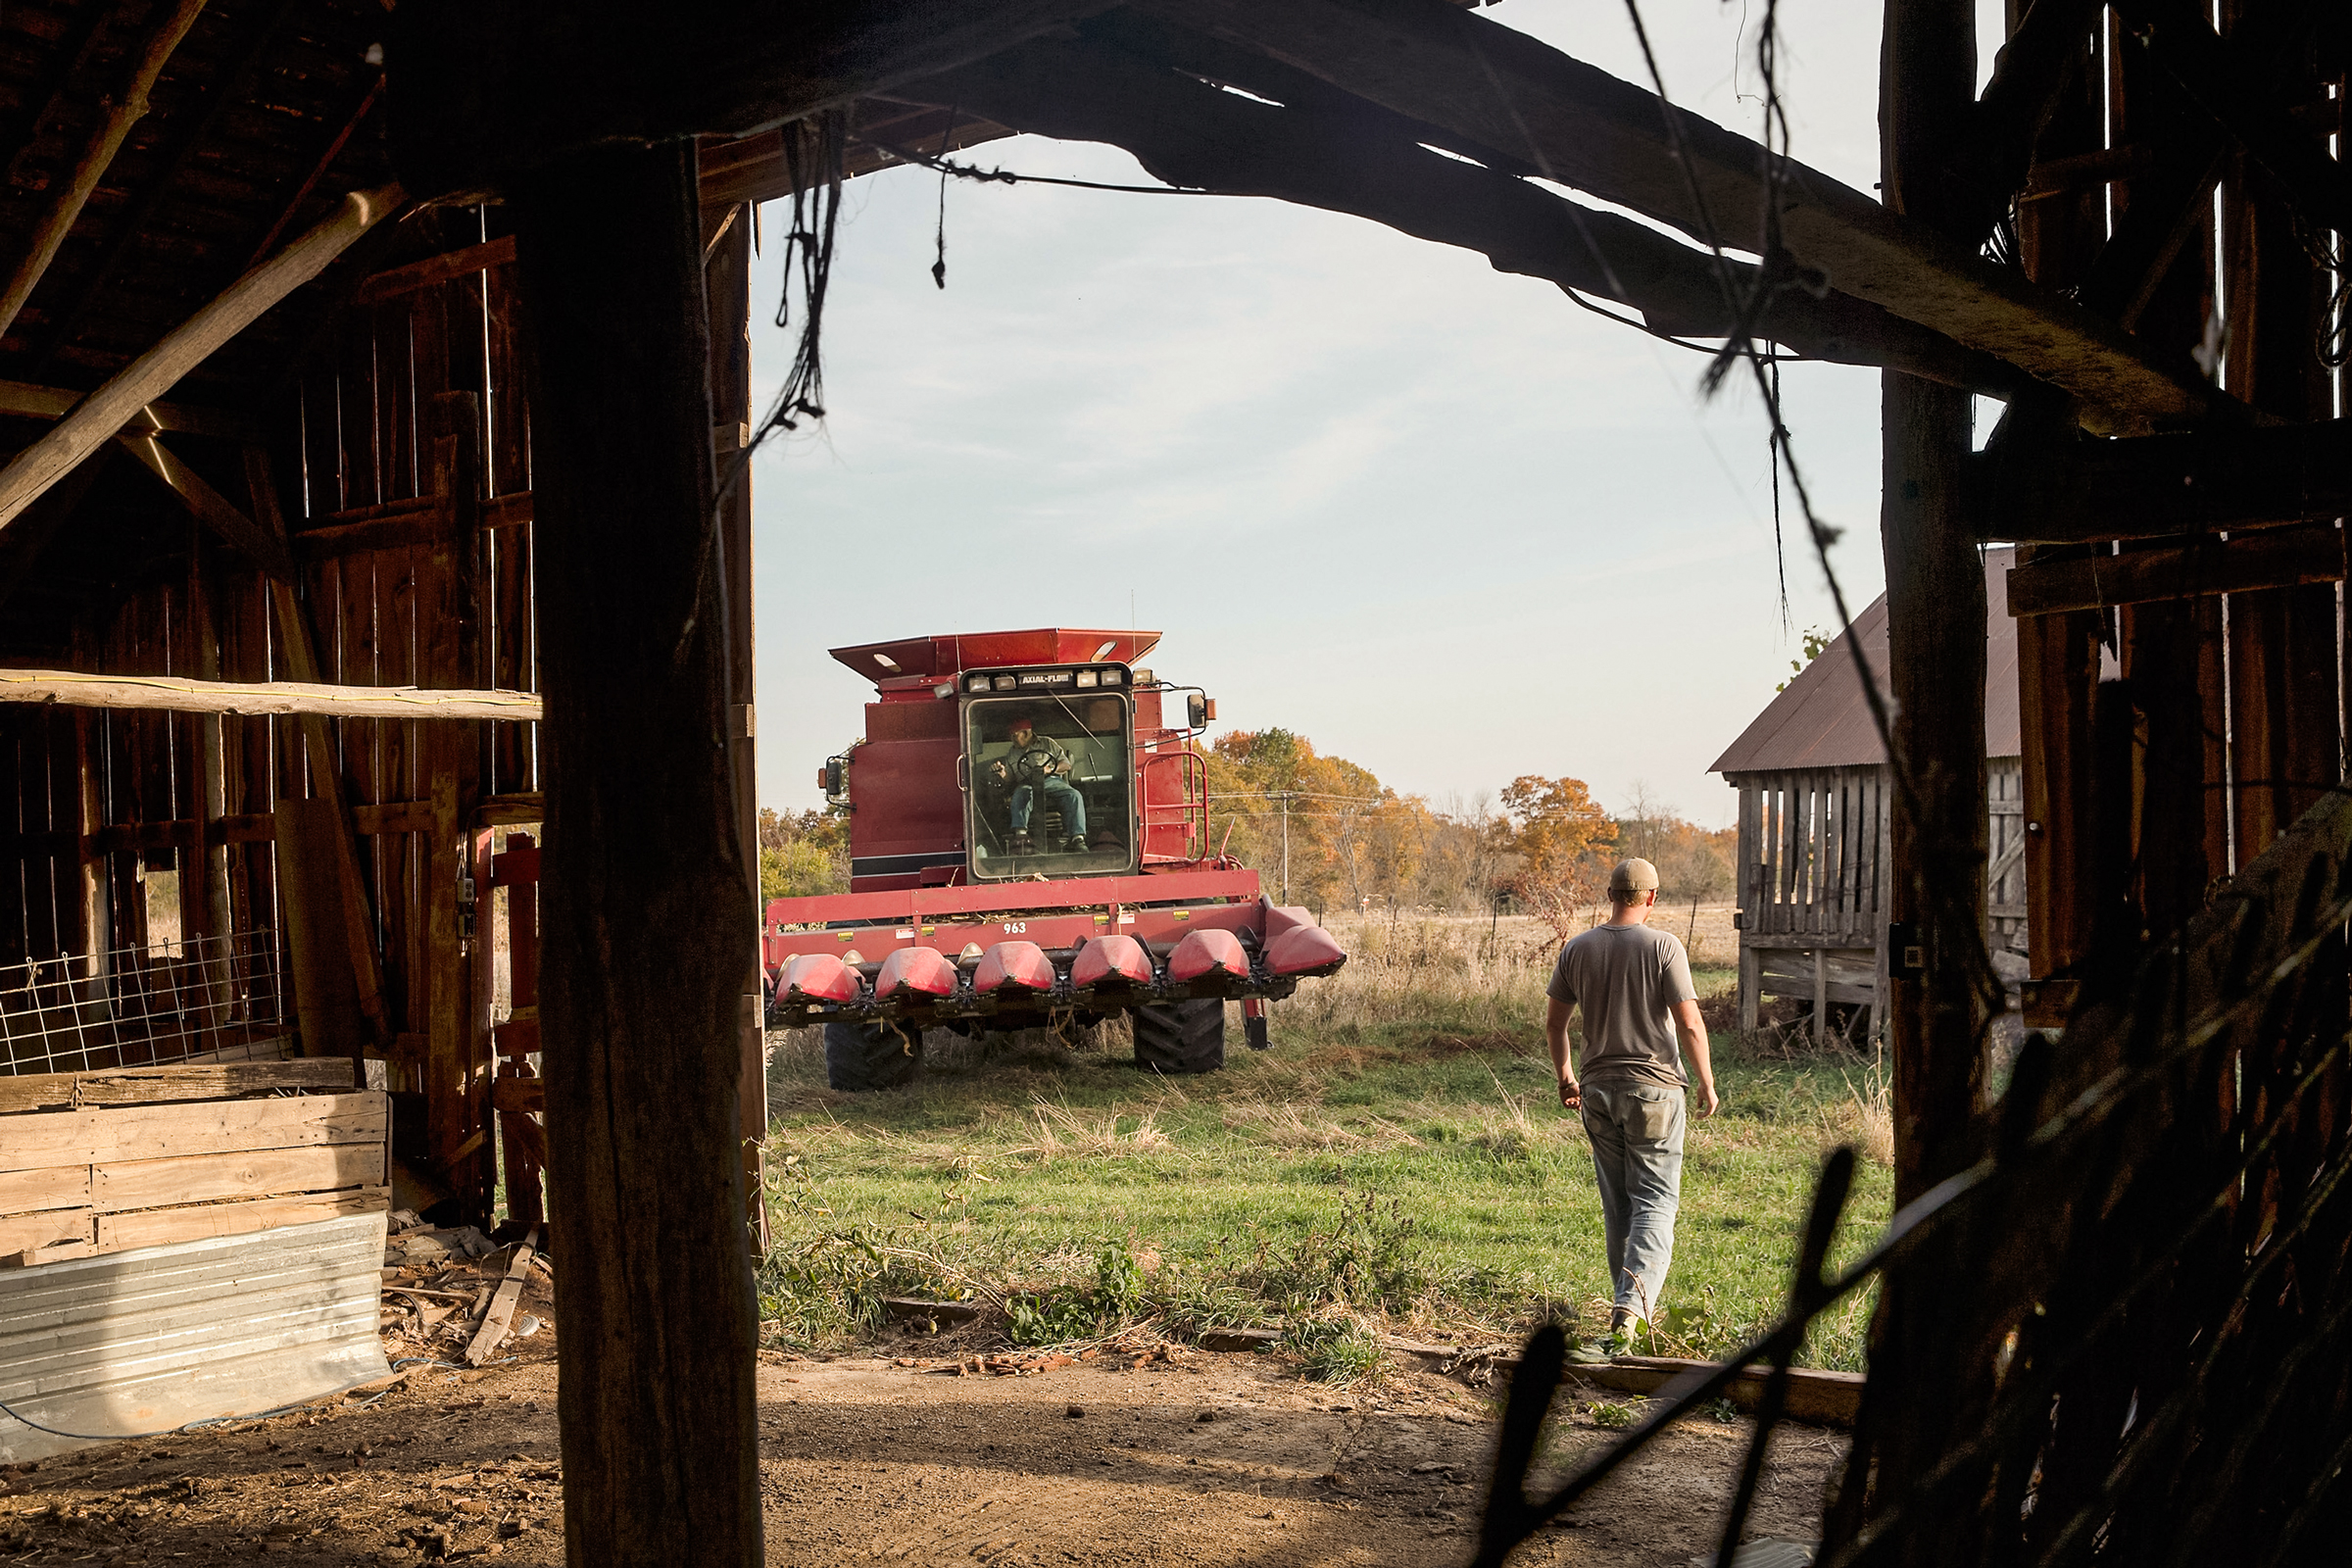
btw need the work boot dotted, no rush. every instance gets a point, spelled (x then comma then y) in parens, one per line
(1018, 844)
(1077, 844)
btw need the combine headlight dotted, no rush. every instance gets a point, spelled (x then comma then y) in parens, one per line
(978, 683)
(1086, 677)
(1005, 683)
(1111, 678)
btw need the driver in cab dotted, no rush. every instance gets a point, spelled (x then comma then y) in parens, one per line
(1038, 763)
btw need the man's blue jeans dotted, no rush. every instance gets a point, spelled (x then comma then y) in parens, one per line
(1637, 1136)
(1059, 794)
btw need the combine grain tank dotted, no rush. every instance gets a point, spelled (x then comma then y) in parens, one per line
(1029, 846)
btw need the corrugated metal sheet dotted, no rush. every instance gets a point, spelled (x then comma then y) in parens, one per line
(147, 1340)
(1821, 721)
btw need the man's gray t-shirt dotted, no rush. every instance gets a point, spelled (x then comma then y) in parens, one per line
(1627, 979)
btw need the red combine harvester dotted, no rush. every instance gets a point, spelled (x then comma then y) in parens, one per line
(1029, 845)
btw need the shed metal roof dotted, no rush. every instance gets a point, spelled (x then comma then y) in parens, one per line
(1820, 719)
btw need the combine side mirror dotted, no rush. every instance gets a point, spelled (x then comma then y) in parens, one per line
(1198, 710)
(829, 778)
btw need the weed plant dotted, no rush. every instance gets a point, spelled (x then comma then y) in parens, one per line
(1398, 1160)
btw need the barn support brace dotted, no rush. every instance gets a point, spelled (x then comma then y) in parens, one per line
(644, 903)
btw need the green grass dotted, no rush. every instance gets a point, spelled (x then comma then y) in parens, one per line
(1399, 1156)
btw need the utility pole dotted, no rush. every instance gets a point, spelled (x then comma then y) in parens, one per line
(1286, 846)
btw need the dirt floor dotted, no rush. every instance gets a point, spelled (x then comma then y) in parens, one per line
(1185, 1457)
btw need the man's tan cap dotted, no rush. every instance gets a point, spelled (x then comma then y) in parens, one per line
(1636, 875)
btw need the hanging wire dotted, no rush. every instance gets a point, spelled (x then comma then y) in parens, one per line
(2331, 339)
(939, 265)
(1006, 176)
(812, 160)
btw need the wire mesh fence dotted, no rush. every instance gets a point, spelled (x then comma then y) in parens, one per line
(132, 1007)
(2119, 1335)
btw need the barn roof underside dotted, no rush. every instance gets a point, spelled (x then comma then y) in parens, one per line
(1821, 719)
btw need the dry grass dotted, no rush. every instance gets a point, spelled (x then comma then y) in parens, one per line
(1866, 1119)
(1060, 1131)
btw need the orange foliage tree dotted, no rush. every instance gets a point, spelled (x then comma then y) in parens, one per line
(1560, 832)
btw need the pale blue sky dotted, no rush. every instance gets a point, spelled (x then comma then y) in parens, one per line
(1436, 518)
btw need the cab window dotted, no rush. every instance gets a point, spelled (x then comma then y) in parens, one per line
(1052, 784)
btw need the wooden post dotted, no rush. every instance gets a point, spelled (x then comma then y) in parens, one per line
(207, 889)
(727, 280)
(1746, 859)
(645, 906)
(1925, 1383)
(1935, 638)
(447, 621)
(1821, 997)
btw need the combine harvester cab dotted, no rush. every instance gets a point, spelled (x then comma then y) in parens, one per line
(1029, 846)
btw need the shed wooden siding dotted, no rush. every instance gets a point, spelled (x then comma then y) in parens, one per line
(1812, 854)
(356, 469)
(1813, 890)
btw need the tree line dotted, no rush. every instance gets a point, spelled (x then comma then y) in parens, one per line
(1327, 833)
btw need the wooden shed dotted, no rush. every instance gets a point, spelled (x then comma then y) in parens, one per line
(1814, 812)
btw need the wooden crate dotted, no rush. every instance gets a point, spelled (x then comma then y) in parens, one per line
(101, 1163)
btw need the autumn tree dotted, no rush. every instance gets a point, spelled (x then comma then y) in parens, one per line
(1554, 822)
(1347, 838)
(803, 854)
(1695, 863)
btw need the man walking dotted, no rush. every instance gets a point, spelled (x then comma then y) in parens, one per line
(1634, 987)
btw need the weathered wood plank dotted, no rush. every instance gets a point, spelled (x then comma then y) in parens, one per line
(121, 1185)
(156, 1227)
(185, 695)
(2271, 557)
(30, 1233)
(32, 401)
(140, 1086)
(41, 1139)
(433, 269)
(493, 1330)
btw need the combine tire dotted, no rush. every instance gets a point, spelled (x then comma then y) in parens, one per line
(1181, 1037)
(863, 1056)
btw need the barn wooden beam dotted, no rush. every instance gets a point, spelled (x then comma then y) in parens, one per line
(211, 507)
(2269, 557)
(421, 521)
(494, 89)
(120, 111)
(647, 915)
(32, 402)
(182, 694)
(98, 417)
(1591, 131)
(1370, 165)
(2150, 487)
